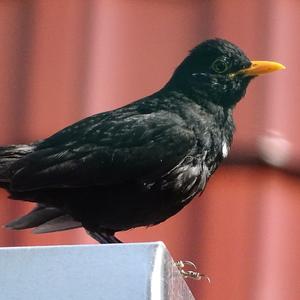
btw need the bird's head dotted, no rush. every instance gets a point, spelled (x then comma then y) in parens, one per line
(218, 71)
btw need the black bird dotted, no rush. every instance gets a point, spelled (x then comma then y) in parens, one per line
(140, 164)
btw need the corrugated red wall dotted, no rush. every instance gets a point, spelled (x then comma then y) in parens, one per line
(63, 60)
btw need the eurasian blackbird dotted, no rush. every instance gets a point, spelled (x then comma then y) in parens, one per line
(140, 164)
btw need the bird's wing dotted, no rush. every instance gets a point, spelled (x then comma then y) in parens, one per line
(105, 151)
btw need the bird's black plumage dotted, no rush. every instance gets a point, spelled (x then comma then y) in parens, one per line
(137, 165)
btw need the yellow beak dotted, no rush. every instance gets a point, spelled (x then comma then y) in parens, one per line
(259, 67)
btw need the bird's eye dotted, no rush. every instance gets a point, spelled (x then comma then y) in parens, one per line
(219, 66)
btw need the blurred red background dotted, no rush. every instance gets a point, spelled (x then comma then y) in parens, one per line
(64, 60)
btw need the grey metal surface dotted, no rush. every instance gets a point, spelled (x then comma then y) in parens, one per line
(99, 272)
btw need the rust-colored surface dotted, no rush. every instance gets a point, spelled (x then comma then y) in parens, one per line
(63, 60)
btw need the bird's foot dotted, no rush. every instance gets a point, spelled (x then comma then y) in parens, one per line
(190, 273)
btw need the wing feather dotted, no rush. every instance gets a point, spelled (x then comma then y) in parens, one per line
(114, 150)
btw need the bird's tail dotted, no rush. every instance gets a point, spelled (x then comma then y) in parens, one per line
(44, 219)
(9, 155)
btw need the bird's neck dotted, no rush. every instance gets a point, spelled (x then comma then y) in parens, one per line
(196, 95)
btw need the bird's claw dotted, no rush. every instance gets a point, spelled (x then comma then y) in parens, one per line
(190, 273)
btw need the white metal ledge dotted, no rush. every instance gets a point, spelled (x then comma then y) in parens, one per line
(103, 272)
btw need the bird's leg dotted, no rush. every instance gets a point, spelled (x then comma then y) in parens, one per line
(104, 237)
(190, 273)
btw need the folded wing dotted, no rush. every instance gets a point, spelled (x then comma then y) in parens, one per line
(105, 149)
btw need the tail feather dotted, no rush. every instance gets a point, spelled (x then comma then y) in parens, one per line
(44, 219)
(36, 217)
(61, 223)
